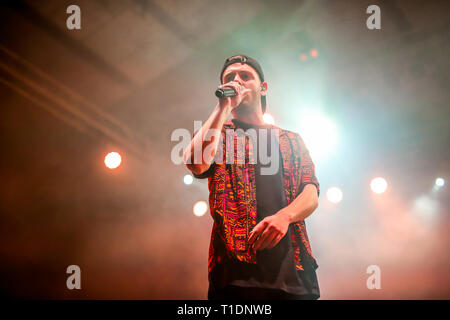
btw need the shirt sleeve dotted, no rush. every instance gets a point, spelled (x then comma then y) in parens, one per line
(307, 168)
(208, 172)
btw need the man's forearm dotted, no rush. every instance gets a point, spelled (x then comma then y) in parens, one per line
(201, 140)
(302, 206)
(268, 232)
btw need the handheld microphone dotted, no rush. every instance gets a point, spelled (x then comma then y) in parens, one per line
(225, 92)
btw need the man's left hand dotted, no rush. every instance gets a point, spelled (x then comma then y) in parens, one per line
(267, 233)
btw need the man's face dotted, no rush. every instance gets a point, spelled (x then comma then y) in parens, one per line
(247, 77)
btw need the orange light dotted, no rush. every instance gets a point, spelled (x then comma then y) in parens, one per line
(113, 160)
(314, 53)
(200, 208)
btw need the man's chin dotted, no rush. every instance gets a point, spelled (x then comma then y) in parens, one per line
(242, 106)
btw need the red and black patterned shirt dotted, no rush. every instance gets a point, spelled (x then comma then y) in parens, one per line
(233, 196)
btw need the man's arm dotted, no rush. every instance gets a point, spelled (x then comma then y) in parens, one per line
(201, 139)
(273, 228)
(200, 142)
(302, 206)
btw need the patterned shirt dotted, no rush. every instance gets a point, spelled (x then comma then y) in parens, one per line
(232, 196)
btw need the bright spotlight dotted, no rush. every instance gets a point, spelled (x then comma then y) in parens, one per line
(268, 118)
(440, 182)
(319, 133)
(188, 179)
(113, 160)
(334, 195)
(200, 208)
(378, 185)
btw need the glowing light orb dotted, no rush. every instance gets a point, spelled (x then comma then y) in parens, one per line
(268, 118)
(200, 208)
(188, 179)
(314, 53)
(113, 160)
(440, 182)
(334, 195)
(378, 185)
(319, 134)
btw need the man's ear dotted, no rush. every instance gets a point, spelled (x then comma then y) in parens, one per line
(263, 88)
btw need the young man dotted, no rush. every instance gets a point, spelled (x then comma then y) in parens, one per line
(259, 246)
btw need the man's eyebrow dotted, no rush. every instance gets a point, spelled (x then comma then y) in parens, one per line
(233, 72)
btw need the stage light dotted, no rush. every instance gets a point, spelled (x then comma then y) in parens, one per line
(426, 208)
(303, 57)
(378, 185)
(314, 53)
(440, 182)
(268, 118)
(113, 160)
(200, 208)
(188, 179)
(319, 134)
(334, 195)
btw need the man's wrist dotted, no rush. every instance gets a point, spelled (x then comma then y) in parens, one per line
(226, 107)
(286, 214)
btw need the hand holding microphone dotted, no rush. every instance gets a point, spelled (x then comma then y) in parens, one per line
(230, 93)
(225, 92)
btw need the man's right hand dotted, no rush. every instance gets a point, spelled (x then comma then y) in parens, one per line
(235, 101)
(215, 121)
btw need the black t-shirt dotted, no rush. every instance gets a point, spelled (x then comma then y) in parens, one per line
(275, 267)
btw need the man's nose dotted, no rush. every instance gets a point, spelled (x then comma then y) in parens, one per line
(237, 79)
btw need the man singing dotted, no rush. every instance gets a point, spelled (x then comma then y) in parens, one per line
(259, 247)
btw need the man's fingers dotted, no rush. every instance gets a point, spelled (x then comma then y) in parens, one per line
(256, 232)
(253, 235)
(267, 240)
(240, 90)
(236, 86)
(262, 240)
(275, 241)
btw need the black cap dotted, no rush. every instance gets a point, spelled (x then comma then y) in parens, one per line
(242, 58)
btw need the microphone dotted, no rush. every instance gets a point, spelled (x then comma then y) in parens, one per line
(225, 92)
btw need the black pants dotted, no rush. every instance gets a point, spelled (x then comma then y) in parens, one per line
(245, 293)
